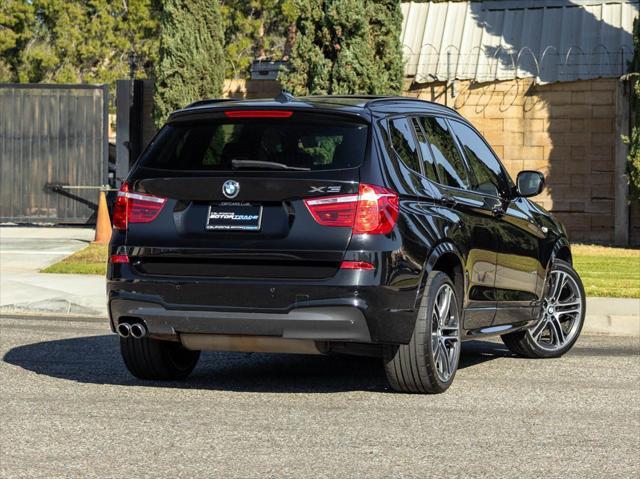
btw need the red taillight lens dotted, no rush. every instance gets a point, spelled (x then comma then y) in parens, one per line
(333, 210)
(374, 210)
(133, 207)
(120, 208)
(356, 265)
(258, 113)
(377, 210)
(119, 258)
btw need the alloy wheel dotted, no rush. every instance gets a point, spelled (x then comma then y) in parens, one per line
(561, 313)
(445, 336)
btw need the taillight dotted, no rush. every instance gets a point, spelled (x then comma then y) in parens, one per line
(119, 258)
(377, 210)
(333, 210)
(356, 265)
(374, 210)
(133, 207)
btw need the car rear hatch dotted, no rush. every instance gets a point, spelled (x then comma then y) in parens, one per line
(223, 195)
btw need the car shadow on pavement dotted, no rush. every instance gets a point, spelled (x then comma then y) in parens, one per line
(96, 360)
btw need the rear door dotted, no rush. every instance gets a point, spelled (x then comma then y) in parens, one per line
(519, 274)
(471, 214)
(235, 184)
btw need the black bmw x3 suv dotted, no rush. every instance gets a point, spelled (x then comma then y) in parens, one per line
(380, 226)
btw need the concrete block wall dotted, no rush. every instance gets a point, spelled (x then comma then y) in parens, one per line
(566, 130)
(251, 89)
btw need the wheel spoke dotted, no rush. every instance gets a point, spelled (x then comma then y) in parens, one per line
(439, 359)
(569, 311)
(562, 281)
(449, 338)
(569, 303)
(558, 333)
(445, 305)
(446, 360)
(569, 307)
(537, 331)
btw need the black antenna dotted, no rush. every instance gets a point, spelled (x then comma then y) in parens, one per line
(284, 97)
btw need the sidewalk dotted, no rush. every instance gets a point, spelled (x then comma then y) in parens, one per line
(24, 251)
(23, 290)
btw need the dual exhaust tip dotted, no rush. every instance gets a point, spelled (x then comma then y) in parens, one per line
(135, 330)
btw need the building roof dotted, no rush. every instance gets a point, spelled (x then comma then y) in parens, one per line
(550, 40)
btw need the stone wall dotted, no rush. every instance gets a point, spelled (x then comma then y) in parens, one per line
(251, 89)
(566, 130)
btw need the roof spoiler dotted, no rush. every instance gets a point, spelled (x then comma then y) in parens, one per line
(212, 101)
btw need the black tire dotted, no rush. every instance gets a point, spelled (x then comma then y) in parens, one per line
(149, 358)
(522, 342)
(412, 368)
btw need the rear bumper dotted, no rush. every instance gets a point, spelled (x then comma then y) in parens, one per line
(327, 323)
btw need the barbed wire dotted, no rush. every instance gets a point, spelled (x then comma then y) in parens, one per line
(497, 62)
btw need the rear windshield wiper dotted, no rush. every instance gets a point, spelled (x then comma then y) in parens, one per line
(270, 165)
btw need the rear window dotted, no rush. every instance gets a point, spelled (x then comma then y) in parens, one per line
(296, 143)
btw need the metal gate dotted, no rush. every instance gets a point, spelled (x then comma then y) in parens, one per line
(52, 135)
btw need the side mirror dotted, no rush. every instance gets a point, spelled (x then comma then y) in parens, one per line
(529, 183)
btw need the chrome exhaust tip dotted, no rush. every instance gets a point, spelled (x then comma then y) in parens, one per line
(123, 330)
(138, 330)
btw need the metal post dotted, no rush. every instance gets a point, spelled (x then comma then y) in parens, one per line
(105, 134)
(123, 112)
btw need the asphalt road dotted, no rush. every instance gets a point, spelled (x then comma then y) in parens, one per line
(68, 408)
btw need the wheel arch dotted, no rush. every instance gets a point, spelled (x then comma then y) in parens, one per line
(561, 250)
(447, 258)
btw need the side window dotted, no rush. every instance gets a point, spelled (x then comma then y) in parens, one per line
(449, 162)
(404, 143)
(490, 178)
(428, 162)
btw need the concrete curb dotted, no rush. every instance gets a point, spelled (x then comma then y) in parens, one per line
(613, 316)
(605, 316)
(53, 307)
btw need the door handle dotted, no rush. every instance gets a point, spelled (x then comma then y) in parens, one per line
(497, 211)
(448, 200)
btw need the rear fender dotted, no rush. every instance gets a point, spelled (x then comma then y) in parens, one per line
(438, 252)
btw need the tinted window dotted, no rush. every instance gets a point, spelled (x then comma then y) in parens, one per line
(449, 162)
(489, 177)
(404, 143)
(300, 142)
(428, 163)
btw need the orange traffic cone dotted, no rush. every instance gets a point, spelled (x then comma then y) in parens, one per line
(103, 223)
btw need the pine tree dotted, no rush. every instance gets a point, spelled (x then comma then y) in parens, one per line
(346, 46)
(191, 64)
(17, 20)
(254, 29)
(71, 41)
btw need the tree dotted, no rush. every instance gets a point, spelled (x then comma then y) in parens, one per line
(71, 41)
(633, 159)
(16, 30)
(191, 64)
(346, 46)
(254, 29)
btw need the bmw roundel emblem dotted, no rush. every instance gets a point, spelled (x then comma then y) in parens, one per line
(230, 189)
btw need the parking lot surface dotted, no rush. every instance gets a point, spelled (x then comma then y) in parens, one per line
(68, 408)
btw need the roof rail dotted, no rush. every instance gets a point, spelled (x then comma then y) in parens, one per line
(405, 98)
(211, 101)
(391, 98)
